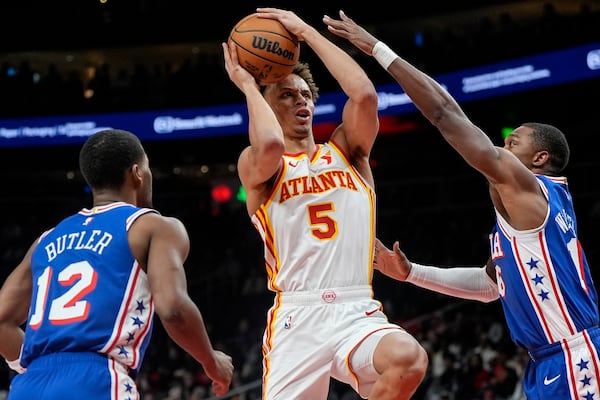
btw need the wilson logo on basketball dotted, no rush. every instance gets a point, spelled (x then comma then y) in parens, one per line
(270, 46)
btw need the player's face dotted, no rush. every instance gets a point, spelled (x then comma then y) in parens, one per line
(520, 143)
(293, 104)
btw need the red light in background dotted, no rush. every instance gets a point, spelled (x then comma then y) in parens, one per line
(221, 193)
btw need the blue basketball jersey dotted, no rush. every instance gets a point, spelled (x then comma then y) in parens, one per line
(543, 276)
(549, 300)
(89, 293)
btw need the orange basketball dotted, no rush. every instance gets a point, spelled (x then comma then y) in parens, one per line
(265, 48)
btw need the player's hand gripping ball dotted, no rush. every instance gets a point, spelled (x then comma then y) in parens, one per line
(265, 48)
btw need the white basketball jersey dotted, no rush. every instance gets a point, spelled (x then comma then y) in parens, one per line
(318, 224)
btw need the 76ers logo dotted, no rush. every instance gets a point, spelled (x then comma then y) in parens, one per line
(496, 246)
(497, 252)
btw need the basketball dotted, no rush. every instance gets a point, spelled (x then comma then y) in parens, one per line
(265, 48)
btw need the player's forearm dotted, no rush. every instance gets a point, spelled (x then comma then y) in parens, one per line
(440, 108)
(263, 124)
(472, 283)
(12, 340)
(426, 94)
(187, 329)
(14, 309)
(345, 70)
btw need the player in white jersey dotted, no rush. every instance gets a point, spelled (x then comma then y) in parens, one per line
(537, 268)
(314, 207)
(87, 290)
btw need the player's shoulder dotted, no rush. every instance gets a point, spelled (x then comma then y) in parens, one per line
(173, 221)
(155, 220)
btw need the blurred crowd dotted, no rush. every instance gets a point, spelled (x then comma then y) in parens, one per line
(471, 356)
(201, 80)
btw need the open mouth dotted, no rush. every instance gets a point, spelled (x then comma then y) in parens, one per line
(303, 115)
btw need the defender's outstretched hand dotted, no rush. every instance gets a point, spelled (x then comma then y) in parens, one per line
(350, 30)
(392, 263)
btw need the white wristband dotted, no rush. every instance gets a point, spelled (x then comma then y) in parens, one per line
(15, 365)
(383, 54)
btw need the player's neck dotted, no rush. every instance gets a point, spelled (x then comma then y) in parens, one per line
(105, 202)
(102, 198)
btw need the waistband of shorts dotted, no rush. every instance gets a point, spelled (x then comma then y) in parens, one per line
(56, 359)
(329, 295)
(573, 342)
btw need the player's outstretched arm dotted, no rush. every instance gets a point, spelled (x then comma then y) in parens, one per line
(15, 299)
(360, 122)
(472, 283)
(434, 102)
(181, 318)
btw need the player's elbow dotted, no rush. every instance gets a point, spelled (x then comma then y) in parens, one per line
(272, 144)
(444, 113)
(366, 96)
(171, 309)
(275, 144)
(491, 294)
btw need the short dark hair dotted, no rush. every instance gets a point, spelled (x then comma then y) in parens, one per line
(106, 155)
(551, 139)
(303, 71)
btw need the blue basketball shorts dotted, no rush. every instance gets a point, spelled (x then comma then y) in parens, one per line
(73, 376)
